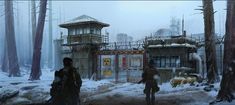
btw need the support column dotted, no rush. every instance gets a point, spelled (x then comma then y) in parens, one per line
(58, 54)
(116, 64)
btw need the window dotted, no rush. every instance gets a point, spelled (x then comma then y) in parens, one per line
(173, 62)
(84, 31)
(72, 31)
(92, 31)
(163, 62)
(98, 31)
(79, 31)
(177, 61)
(158, 61)
(87, 30)
(167, 61)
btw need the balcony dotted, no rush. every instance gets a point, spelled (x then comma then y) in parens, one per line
(87, 39)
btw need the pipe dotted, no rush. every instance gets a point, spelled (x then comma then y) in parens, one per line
(196, 57)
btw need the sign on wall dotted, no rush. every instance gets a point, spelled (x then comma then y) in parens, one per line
(124, 62)
(107, 62)
(107, 73)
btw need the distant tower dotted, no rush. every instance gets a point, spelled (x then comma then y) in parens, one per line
(84, 39)
(122, 37)
(175, 26)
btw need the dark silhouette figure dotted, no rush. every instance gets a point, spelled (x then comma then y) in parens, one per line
(149, 77)
(66, 85)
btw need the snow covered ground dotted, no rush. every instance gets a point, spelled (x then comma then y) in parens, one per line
(104, 92)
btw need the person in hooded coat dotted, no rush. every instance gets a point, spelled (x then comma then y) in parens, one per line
(149, 77)
(66, 85)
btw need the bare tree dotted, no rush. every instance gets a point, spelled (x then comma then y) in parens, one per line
(10, 39)
(29, 36)
(22, 55)
(209, 30)
(5, 62)
(36, 70)
(33, 19)
(227, 86)
(50, 35)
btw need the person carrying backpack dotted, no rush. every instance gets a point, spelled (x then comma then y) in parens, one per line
(149, 77)
(66, 85)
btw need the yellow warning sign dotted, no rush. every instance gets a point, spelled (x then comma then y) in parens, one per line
(107, 73)
(107, 61)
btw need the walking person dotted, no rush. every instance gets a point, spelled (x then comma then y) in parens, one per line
(149, 77)
(66, 85)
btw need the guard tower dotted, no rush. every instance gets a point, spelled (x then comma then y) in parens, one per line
(84, 39)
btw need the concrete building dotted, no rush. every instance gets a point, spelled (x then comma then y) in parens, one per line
(83, 41)
(124, 40)
(173, 55)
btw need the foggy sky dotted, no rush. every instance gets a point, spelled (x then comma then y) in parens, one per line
(140, 18)
(136, 18)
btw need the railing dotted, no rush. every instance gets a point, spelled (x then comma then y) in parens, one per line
(134, 45)
(200, 41)
(196, 39)
(86, 39)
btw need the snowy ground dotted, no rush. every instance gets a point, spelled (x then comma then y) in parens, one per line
(104, 92)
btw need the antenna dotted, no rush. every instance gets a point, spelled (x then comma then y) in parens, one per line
(182, 24)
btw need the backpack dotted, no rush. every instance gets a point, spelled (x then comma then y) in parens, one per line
(56, 86)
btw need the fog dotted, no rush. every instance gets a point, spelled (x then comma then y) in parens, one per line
(135, 18)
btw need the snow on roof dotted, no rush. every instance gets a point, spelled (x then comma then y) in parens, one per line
(172, 45)
(82, 19)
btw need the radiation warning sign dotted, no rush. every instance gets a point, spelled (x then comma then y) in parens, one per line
(107, 61)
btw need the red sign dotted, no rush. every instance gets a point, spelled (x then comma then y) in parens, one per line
(124, 63)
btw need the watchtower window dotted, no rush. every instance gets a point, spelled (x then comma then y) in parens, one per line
(86, 30)
(92, 31)
(98, 31)
(79, 31)
(72, 31)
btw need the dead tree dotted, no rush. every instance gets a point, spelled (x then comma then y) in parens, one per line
(29, 36)
(5, 62)
(227, 86)
(10, 39)
(209, 32)
(36, 70)
(33, 20)
(50, 35)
